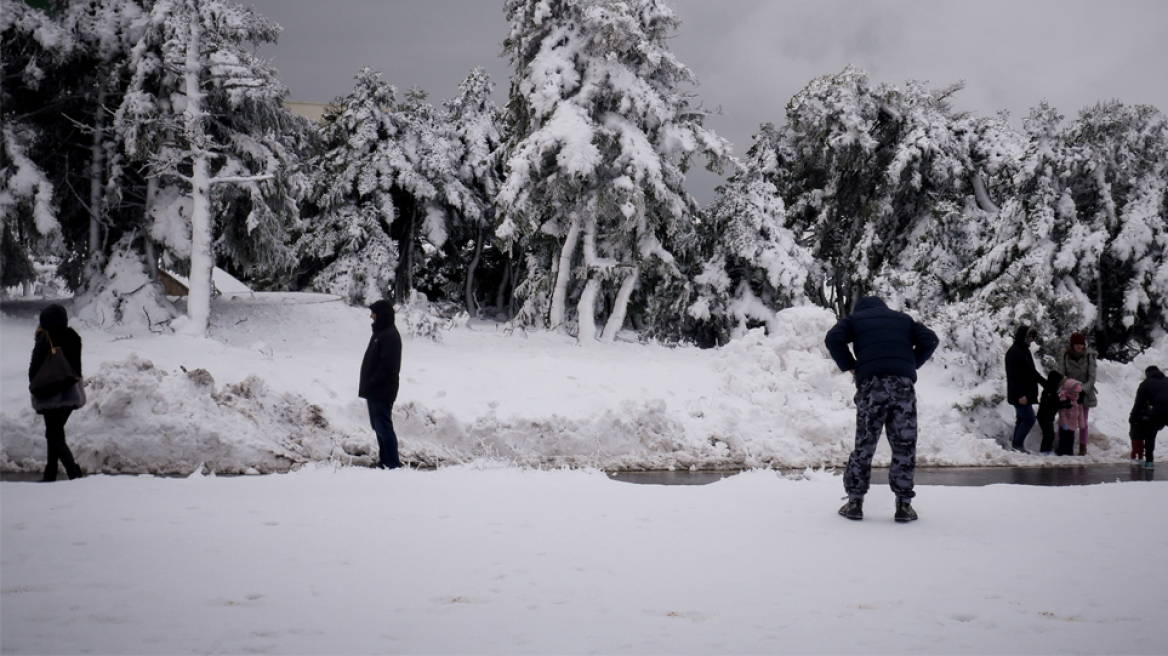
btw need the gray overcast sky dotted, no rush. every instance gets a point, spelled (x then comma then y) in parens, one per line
(751, 56)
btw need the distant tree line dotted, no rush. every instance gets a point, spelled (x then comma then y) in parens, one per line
(140, 133)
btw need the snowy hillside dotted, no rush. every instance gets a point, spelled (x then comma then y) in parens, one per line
(275, 387)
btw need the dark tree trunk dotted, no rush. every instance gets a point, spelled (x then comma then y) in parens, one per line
(406, 230)
(471, 306)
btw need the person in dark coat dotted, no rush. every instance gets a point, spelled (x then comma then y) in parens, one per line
(889, 347)
(380, 370)
(1022, 380)
(1149, 414)
(54, 332)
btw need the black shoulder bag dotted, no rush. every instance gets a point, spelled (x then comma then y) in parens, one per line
(55, 375)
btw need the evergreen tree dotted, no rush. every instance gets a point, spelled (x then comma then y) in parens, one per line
(207, 115)
(365, 173)
(474, 126)
(32, 46)
(862, 169)
(602, 137)
(1118, 179)
(751, 264)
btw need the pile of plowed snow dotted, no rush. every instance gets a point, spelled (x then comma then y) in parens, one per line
(274, 386)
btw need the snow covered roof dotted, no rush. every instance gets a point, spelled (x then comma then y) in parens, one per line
(223, 281)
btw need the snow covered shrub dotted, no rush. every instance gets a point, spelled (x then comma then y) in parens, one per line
(751, 265)
(421, 318)
(124, 296)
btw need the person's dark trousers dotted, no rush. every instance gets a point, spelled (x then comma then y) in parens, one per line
(1154, 429)
(1048, 433)
(381, 418)
(1022, 425)
(58, 449)
(884, 403)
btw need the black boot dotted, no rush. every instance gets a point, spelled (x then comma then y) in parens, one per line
(904, 511)
(853, 509)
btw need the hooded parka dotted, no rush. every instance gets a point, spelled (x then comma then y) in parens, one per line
(1022, 377)
(381, 366)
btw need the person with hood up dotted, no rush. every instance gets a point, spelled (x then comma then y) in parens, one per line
(1078, 362)
(1149, 414)
(54, 333)
(1022, 379)
(889, 348)
(380, 371)
(1070, 416)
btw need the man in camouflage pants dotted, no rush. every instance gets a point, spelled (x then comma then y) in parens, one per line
(889, 348)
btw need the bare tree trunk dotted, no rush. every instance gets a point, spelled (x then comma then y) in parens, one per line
(404, 277)
(471, 306)
(148, 225)
(199, 293)
(560, 294)
(501, 293)
(516, 271)
(586, 309)
(97, 171)
(586, 312)
(982, 196)
(616, 320)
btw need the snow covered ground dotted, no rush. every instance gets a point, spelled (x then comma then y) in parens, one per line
(274, 387)
(492, 559)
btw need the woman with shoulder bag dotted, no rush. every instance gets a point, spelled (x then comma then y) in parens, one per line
(1078, 362)
(54, 376)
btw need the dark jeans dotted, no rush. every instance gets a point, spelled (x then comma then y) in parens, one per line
(1046, 423)
(381, 418)
(1146, 431)
(1024, 422)
(58, 450)
(884, 403)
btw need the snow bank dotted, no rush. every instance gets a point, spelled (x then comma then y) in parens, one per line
(275, 387)
(140, 418)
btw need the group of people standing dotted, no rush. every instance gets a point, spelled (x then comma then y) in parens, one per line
(1066, 398)
(883, 349)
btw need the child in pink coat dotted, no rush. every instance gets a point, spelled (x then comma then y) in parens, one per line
(1070, 419)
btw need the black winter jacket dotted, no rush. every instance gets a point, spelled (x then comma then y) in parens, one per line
(1151, 398)
(886, 342)
(381, 365)
(1022, 377)
(1050, 403)
(54, 326)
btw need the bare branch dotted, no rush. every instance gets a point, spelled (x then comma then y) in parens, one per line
(250, 178)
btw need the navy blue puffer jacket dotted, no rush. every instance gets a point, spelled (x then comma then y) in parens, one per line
(886, 342)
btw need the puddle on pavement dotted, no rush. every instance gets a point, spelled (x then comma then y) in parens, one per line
(957, 476)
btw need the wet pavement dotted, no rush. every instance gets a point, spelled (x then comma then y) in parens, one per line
(958, 476)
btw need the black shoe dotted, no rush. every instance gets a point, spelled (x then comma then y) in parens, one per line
(904, 512)
(853, 509)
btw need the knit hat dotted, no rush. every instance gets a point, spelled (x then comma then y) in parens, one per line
(1077, 338)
